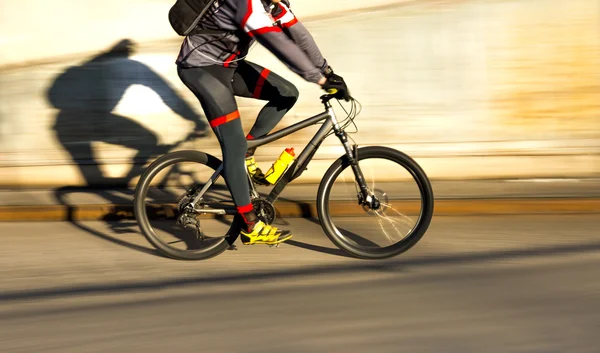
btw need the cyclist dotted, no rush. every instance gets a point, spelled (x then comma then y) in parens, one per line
(212, 65)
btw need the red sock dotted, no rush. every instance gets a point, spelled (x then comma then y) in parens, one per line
(249, 216)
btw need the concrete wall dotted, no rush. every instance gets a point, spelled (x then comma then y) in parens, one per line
(31, 30)
(471, 89)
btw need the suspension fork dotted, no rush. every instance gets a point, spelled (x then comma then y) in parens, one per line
(352, 154)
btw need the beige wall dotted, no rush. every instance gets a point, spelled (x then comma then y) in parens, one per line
(472, 89)
(37, 29)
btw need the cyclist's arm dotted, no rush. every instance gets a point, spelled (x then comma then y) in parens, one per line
(257, 23)
(299, 34)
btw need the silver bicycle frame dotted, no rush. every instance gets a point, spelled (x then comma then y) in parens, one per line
(299, 165)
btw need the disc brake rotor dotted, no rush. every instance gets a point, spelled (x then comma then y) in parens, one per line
(383, 199)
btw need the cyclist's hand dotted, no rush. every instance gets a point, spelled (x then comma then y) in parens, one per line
(335, 85)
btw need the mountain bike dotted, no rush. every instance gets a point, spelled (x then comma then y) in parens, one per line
(367, 191)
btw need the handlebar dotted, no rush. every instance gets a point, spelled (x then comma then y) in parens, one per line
(327, 97)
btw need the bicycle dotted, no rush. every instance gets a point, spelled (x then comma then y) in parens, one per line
(199, 209)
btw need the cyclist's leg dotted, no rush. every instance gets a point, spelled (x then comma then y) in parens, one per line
(212, 86)
(254, 81)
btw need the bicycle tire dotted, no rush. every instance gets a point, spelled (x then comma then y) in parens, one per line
(411, 239)
(142, 217)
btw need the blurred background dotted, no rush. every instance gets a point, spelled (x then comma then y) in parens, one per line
(497, 100)
(472, 89)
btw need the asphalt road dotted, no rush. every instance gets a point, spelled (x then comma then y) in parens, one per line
(474, 284)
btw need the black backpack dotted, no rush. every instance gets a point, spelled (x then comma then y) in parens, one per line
(185, 15)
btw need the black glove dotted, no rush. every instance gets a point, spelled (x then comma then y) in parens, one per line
(335, 85)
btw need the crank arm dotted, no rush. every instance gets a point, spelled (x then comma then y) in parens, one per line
(211, 211)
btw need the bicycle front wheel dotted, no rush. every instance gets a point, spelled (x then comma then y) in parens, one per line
(405, 204)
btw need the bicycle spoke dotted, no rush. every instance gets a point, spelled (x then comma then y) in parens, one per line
(384, 231)
(402, 216)
(393, 224)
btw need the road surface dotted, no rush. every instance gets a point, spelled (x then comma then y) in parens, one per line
(474, 284)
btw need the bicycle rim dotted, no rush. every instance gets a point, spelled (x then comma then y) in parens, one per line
(402, 190)
(164, 190)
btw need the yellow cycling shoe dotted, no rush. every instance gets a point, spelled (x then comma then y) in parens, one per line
(255, 173)
(264, 234)
(251, 165)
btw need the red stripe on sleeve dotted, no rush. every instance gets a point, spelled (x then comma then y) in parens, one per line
(228, 61)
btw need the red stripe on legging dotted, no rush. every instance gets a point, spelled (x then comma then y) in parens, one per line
(224, 119)
(245, 209)
(249, 137)
(261, 81)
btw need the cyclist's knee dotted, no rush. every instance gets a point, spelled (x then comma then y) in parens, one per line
(288, 96)
(291, 92)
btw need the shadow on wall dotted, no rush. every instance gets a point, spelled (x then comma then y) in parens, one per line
(86, 96)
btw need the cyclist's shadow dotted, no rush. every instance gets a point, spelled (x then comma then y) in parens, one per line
(86, 96)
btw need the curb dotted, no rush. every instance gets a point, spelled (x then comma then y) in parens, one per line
(301, 209)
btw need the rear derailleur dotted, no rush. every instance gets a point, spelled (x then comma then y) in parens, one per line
(187, 217)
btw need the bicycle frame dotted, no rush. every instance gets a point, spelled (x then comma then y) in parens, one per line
(299, 165)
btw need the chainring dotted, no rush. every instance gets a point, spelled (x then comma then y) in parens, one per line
(183, 202)
(264, 210)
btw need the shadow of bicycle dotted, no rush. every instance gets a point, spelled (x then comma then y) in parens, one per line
(86, 96)
(118, 215)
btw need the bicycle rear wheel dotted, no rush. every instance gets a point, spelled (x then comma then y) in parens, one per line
(165, 189)
(402, 218)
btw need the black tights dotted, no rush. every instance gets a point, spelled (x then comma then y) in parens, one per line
(215, 87)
